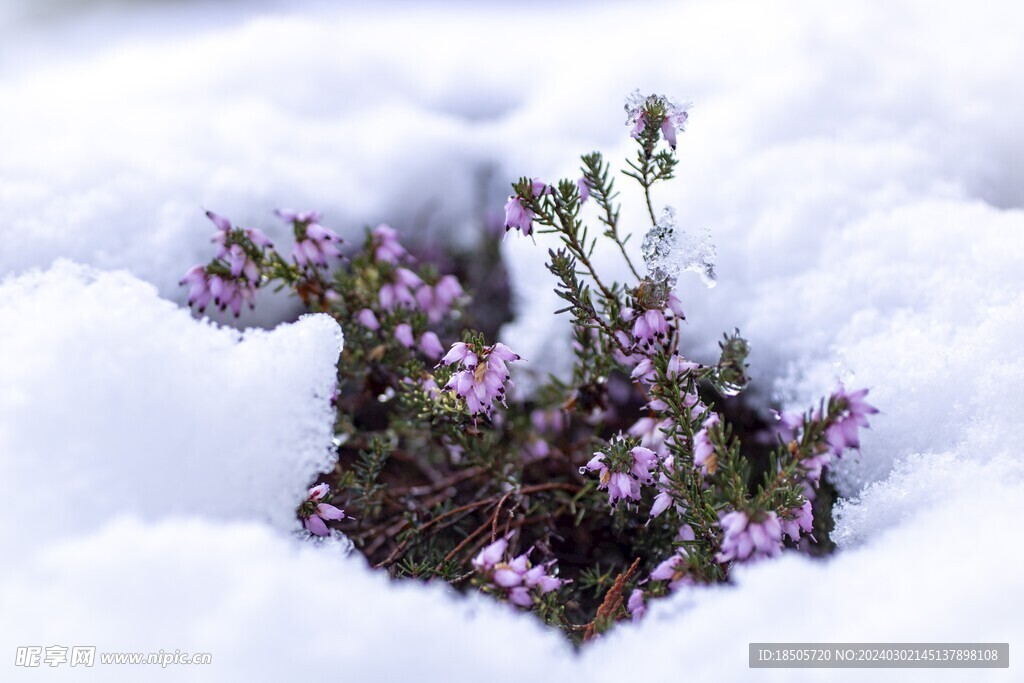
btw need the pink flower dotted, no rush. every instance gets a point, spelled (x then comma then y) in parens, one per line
(518, 579)
(459, 353)
(648, 328)
(517, 216)
(662, 502)
(704, 455)
(787, 424)
(430, 345)
(399, 292)
(222, 222)
(843, 433)
(437, 301)
(491, 555)
(225, 291)
(623, 479)
(223, 238)
(813, 466)
(482, 381)
(314, 244)
(643, 460)
(386, 245)
(745, 540)
(535, 449)
(802, 520)
(674, 570)
(367, 319)
(231, 279)
(551, 420)
(674, 118)
(199, 287)
(403, 333)
(649, 431)
(664, 499)
(644, 372)
(315, 513)
(584, 188)
(635, 605)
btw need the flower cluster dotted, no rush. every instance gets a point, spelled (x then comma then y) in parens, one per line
(518, 214)
(231, 278)
(521, 582)
(315, 245)
(843, 433)
(651, 328)
(658, 112)
(630, 453)
(386, 246)
(483, 376)
(744, 539)
(623, 471)
(314, 513)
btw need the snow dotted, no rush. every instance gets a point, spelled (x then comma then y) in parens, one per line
(116, 400)
(857, 169)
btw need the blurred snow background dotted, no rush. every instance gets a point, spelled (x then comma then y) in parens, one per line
(859, 169)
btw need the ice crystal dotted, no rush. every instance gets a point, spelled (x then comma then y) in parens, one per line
(668, 251)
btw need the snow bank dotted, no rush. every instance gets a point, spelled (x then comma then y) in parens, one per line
(114, 400)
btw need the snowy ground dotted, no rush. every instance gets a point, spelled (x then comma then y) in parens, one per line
(859, 171)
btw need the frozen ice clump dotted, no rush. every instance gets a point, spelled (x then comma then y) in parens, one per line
(658, 245)
(668, 251)
(113, 401)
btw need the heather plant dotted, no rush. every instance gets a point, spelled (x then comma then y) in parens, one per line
(594, 494)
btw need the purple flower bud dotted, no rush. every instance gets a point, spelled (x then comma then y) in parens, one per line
(802, 520)
(520, 596)
(667, 569)
(745, 540)
(584, 188)
(662, 501)
(480, 389)
(403, 333)
(517, 216)
(635, 605)
(329, 512)
(221, 222)
(367, 319)
(258, 237)
(456, 354)
(506, 577)
(491, 555)
(704, 455)
(548, 583)
(315, 525)
(430, 345)
(314, 513)
(386, 245)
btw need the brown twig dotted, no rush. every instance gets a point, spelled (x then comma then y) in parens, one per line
(494, 517)
(467, 508)
(450, 480)
(612, 600)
